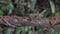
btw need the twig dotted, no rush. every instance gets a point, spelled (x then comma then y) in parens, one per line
(7, 23)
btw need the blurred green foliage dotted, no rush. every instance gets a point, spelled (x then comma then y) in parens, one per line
(2, 5)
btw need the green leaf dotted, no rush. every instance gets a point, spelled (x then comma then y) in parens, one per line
(10, 7)
(26, 29)
(41, 31)
(52, 6)
(1, 13)
(8, 31)
(52, 30)
(18, 30)
(30, 27)
(57, 14)
(32, 3)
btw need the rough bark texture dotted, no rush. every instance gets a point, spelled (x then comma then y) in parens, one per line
(13, 21)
